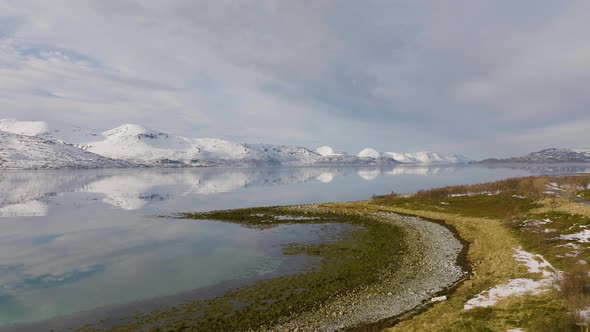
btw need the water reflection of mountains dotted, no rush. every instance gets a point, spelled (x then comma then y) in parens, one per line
(29, 193)
(544, 169)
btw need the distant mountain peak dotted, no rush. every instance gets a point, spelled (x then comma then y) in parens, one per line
(327, 151)
(369, 153)
(28, 128)
(128, 130)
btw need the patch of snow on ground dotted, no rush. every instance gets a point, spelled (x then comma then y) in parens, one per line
(536, 223)
(438, 298)
(295, 218)
(580, 237)
(519, 286)
(515, 330)
(486, 192)
(576, 250)
(583, 317)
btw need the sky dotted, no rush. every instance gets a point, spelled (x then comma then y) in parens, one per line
(482, 78)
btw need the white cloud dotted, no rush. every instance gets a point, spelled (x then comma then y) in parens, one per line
(422, 75)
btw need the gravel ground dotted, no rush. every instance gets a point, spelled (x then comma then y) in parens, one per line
(430, 269)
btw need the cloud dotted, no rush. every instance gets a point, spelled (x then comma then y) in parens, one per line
(395, 75)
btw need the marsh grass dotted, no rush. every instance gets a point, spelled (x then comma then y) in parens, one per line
(360, 255)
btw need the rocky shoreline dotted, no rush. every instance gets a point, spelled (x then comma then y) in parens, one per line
(431, 271)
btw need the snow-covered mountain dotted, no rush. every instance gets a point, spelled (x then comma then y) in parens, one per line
(327, 151)
(427, 157)
(552, 155)
(30, 152)
(143, 146)
(424, 157)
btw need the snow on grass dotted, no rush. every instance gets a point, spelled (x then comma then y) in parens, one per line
(295, 218)
(580, 237)
(284, 217)
(576, 250)
(519, 286)
(583, 316)
(534, 223)
(485, 192)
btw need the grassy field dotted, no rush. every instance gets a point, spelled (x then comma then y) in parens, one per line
(494, 218)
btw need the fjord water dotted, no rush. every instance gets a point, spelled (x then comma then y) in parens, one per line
(76, 240)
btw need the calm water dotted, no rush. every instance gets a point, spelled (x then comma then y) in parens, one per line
(72, 241)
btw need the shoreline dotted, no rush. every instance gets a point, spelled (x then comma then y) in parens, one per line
(388, 267)
(443, 267)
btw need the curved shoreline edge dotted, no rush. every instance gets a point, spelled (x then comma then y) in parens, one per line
(461, 261)
(444, 267)
(434, 264)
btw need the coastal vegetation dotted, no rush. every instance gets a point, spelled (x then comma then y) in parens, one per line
(363, 253)
(526, 250)
(495, 218)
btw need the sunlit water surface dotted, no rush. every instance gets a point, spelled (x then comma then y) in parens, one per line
(76, 240)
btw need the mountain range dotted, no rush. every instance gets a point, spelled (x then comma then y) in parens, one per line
(36, 144)
(40, 145)
(552, 155)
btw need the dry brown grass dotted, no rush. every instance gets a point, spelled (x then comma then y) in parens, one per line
(560, 204)
(491, 247)
(532, 186)
(490, 254)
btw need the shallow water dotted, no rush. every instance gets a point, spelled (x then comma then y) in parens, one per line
(77, 240)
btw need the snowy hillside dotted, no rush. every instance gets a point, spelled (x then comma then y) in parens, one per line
(425, 157)
(327, 151)
(553, 155)
(29, 152)
(142, 145)
(42, 129)
(148, 147)
(29, 128)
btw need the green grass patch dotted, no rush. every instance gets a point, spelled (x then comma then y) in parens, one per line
(585, 194)
(499, 206)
